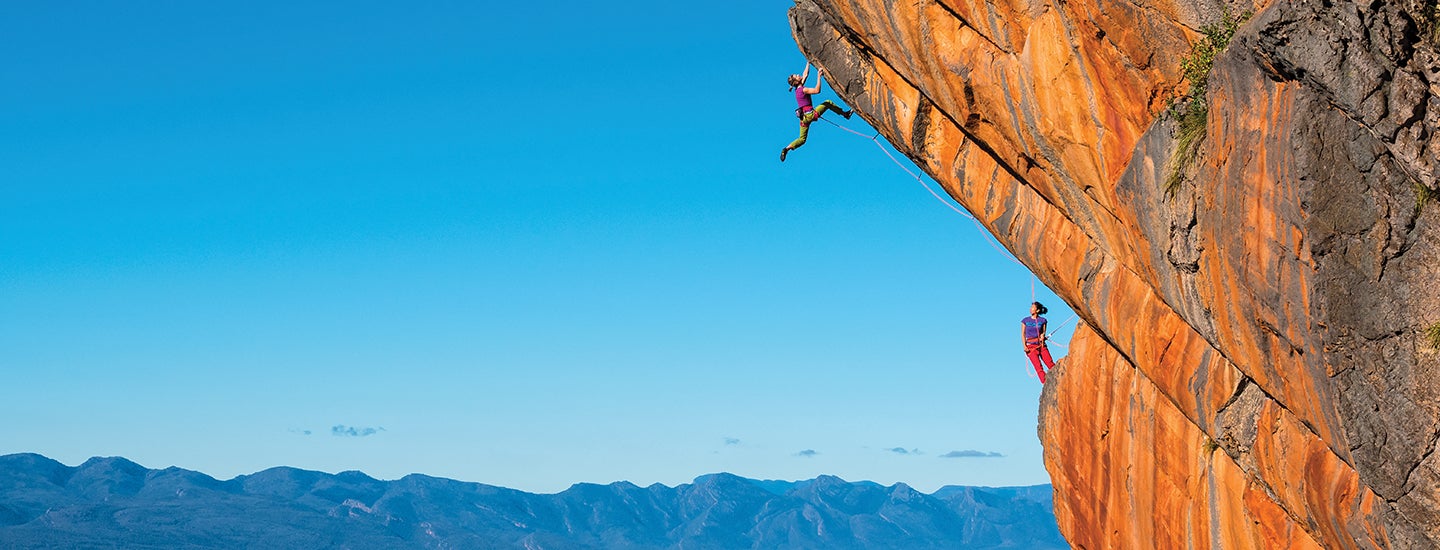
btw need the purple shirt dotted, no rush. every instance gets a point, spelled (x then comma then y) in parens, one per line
(803, 99)
(1033, 326)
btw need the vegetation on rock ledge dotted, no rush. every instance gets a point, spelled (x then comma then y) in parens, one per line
(1423, 195)
(1426, 14)
(1191, 111)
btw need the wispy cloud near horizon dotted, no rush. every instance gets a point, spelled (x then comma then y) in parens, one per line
(732, 441)
(904, 451)
(972, 454)
(341, 430)
(807, 453)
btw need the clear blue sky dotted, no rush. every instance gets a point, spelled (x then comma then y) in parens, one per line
(514, 243)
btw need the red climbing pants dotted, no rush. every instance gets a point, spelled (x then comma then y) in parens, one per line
(1037, 353)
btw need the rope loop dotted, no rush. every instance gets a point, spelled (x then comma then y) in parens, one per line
(984, 233)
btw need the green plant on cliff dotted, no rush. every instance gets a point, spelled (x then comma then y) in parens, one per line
(1426, 14)
(1190, 110)
(1424, 195)
(1190, 120)
(1432, 336)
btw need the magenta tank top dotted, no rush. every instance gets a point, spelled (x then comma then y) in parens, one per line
(803, 99)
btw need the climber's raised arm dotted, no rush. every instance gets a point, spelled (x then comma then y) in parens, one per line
(804, 109)
(818, 80)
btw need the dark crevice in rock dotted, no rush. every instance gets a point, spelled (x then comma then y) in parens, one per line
(1236, 432)
(1269, 328)
(1245, 382)
(973, 120)
(851, 36)
(921, 125)
(971, 26)
(1355, 265)
(1410, 476)
(856, 41)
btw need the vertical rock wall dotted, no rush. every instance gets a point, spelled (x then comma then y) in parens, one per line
(1254, 371)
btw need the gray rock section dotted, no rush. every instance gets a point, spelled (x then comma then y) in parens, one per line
(1367, 154)
(1357, 160)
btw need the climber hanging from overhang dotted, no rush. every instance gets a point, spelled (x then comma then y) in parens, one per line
(805, 111)
(1033, 332)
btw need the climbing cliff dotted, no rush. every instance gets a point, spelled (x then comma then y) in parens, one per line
(1257, 366)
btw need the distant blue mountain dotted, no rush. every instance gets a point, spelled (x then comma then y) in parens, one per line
(115, 503)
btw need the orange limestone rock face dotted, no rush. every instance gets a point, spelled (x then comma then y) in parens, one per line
(1256, 370)
(1173, 488)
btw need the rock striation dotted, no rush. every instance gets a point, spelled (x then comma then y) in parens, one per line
(1256, 368)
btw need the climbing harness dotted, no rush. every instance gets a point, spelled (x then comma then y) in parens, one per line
(984, 233)
(1051, 333)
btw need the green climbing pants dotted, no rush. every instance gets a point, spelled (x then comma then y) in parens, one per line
(809, 117)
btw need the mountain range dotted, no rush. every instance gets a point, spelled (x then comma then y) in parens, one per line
(116, 503)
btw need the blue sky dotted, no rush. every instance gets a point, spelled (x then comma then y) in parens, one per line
(524, 245)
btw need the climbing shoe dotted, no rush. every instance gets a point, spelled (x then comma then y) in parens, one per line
(847, 114)
(784, 152)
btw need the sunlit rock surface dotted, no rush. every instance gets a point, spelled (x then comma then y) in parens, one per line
(1254, 370)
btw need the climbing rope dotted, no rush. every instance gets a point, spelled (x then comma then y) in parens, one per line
(1050, 333)
(984, 233)
(1065, 322)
